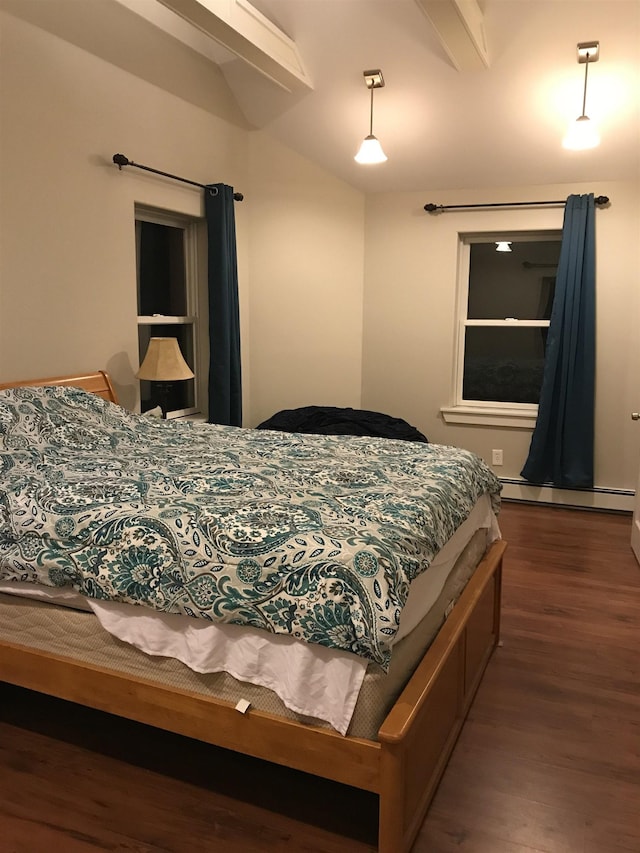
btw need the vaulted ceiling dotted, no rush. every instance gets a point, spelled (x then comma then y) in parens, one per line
(447, 128)
(478, 92)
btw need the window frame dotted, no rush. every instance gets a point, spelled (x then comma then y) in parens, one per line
(195, 307)
(487, 412)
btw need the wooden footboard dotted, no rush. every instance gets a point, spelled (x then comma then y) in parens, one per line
(420, 732)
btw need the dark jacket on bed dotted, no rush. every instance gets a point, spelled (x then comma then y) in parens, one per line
(330, 420)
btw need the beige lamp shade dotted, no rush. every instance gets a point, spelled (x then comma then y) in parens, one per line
(164, 362)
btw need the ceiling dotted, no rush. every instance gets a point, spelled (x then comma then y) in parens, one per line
(441, 128)
(445, 129)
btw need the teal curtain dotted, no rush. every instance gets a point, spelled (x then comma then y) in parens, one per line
(561, 450)
(225, 374)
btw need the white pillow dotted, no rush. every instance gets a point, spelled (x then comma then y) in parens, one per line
(154, 413)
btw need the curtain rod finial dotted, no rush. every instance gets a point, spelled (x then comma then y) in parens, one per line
(120, 160)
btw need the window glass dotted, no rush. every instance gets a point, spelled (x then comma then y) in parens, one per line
(161, 270)
(166, 248)
(518, 284)
(506, 299)
(504, 364)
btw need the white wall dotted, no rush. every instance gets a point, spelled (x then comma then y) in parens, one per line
(307, 256)
(67, 266)
(409, 316)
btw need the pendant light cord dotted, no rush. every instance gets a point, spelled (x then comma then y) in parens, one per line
(584, 97)
(371, 114)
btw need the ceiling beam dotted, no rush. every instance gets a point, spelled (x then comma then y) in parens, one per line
(460, 28)
(242, 29)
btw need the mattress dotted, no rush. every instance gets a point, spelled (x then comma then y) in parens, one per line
(75, 633)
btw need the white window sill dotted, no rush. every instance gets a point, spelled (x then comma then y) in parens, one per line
(524, 418)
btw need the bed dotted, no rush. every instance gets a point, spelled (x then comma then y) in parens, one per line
(401, 761)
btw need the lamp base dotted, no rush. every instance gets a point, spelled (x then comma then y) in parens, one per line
(163, 389)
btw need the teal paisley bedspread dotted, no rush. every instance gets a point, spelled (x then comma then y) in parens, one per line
(313, 536)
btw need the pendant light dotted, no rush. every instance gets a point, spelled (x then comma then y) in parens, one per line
(371, 150)
(582, 133)
(503, 246)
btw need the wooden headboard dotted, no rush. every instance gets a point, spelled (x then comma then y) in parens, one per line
(96, 383)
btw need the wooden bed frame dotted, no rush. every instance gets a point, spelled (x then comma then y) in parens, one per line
(403, 767)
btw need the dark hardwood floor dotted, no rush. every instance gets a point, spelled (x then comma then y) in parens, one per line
(548, 761)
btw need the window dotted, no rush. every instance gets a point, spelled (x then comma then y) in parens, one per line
(167, 284)
(504, 308)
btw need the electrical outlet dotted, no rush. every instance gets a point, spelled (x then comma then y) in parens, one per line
(496, 457)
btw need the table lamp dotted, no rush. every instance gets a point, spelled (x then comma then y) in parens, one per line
(164, 365)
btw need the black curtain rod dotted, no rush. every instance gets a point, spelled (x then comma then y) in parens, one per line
(120, 160)
(431, 208)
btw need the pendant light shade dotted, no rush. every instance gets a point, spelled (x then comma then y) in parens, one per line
(503, 246)
(371, 151)
(582, 133)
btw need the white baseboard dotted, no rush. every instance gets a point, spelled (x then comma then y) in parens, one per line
(622, 500)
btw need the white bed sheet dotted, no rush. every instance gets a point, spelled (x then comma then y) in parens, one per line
(426, 588)
(310, 679)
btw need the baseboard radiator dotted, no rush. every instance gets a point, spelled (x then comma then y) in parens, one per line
(621, 500)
